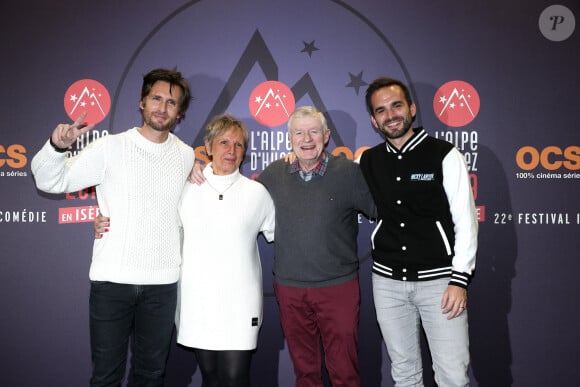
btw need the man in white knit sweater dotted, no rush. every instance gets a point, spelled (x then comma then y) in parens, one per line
(139, 175)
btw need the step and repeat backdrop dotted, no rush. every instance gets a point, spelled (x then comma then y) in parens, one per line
(500, 80)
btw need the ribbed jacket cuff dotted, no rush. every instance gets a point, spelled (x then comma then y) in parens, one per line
(460, 279)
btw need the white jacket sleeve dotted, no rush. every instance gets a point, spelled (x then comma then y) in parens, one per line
(462, 206)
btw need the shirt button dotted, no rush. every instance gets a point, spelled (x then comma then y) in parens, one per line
(402, 224)
(404, 278)
(404, 248)
(404, 270)
(399, 202)
(398, 178)
(399, 157)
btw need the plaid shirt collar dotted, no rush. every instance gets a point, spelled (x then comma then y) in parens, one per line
(319, 169)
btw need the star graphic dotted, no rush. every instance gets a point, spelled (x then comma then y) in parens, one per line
(356, 82)
(309, 48)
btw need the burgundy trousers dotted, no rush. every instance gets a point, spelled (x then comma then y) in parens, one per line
(330, 314)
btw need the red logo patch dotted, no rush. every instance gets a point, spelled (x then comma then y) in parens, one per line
(271, 103)
(89, 96)
(456, 103)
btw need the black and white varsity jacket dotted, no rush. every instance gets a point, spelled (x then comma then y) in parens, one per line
(427, 224)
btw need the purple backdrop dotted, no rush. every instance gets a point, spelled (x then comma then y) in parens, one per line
(519, 60)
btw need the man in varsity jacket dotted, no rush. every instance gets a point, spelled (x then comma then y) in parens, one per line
(425, 242)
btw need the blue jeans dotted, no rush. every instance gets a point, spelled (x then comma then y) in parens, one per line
(401, 308)
(120, 311)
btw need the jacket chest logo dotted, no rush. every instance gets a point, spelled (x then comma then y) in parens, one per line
(422, 177)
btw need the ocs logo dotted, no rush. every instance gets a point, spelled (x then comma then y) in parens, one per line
(89, 96)
(456, 103)
(551, 158)
(13, 155)
(271, 103)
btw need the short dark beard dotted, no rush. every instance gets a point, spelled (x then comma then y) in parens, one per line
(158, 128)
(407, 124)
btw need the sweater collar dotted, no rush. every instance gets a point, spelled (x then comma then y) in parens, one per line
(150, 146)
(220, 181)
(319, 169)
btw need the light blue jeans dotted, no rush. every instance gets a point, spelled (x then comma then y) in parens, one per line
(401, 308)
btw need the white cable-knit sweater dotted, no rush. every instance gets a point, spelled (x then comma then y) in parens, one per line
(138, 184)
